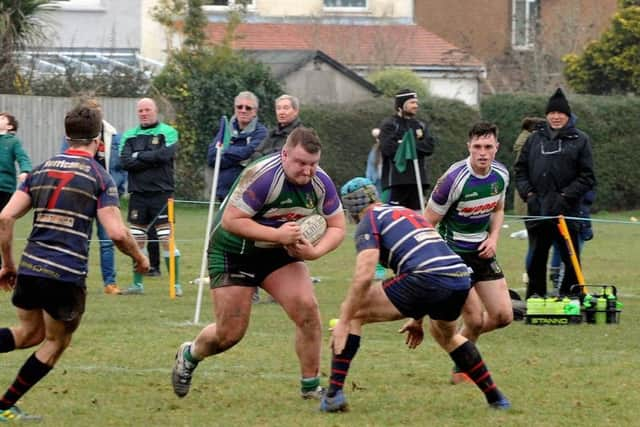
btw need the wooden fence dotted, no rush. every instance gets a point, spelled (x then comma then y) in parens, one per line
(41, 120)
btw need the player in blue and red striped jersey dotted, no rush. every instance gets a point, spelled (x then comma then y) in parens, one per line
(467, 205)
(429, 280)
(67, 192)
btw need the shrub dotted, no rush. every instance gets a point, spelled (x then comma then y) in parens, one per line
(391, 80)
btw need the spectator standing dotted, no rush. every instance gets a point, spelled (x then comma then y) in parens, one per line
(148, 154)
(108, 157)
(49, 289)
(287, 111)
(373, 171)
(256, 242)
(553, 173)
(11, 152)
(529, 125)
(403, 186)
(247, 133)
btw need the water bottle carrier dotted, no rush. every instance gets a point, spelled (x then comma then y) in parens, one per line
(596, 308)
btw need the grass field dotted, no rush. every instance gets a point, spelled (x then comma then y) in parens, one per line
(117, 370)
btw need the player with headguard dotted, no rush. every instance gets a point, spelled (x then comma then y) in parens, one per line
(66, 192)
(429, 280)
(256, 241)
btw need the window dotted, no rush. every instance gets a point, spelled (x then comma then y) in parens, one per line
(525, 18)
(346, 5)
(225, 4)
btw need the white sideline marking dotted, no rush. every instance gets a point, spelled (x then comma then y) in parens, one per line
(216, 371)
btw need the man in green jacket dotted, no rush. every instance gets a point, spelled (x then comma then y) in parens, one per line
(11, 152)
(148, 152)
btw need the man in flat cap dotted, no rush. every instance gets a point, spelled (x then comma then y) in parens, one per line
(553, 173)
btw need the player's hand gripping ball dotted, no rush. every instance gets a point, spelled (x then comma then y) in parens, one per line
(313, 227)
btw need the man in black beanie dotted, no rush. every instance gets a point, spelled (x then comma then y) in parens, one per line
(400, 188)
(553, 173)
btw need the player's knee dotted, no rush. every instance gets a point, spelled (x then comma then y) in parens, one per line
(308, 315)
(504, 318)
(473, 320)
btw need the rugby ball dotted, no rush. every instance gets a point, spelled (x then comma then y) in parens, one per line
(313, 227)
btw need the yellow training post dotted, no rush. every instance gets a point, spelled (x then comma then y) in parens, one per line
(172, 250)
(564, 231)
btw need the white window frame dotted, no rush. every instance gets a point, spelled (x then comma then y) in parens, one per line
(364, 8)
(76, 4)
(530, 24)
(232, 4)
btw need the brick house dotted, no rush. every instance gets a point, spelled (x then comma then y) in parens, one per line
(520, 41)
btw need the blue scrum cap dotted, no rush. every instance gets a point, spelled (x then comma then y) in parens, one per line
(357, 194)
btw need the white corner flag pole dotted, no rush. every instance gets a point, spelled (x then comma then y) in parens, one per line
(416, 167)
(212, 202)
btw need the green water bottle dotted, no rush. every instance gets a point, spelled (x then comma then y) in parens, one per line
(601, 310)
(572, 307)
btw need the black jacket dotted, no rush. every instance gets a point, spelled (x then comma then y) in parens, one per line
(276, 139)
(558, 170)
(392, 130)
(148, 155)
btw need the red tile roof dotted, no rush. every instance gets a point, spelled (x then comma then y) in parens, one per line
(408, 45)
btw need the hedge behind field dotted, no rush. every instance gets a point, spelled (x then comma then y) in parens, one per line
(613, 124)
(345, 132)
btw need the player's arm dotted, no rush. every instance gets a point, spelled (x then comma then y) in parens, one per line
(111, 220)
(129, 158)
(488, 248)
(362, 279)
(18, 205)
(432, 216)
(415, 332)
(241, 223)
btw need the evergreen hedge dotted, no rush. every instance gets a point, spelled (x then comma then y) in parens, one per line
(345, 132)
(612, 122)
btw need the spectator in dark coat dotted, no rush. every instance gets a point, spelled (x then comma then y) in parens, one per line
(247, 133)
(287, 110)
(402, 186)
(553, 173)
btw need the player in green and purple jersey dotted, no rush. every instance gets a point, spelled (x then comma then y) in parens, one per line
(257, 243)
(468, 205)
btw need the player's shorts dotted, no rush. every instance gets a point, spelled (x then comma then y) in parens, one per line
(483, 269)
(64, 301)
(148, 208)
(228, 269)
(416, 295)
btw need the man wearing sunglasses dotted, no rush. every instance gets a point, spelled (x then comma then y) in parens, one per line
(246, 134)
(553, 173)
(287, 110)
